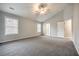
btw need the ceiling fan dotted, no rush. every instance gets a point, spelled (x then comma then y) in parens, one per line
(41, 8)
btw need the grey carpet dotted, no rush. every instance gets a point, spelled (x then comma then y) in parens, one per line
(39, 46)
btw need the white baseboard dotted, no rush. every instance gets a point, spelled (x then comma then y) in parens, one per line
(19, 38)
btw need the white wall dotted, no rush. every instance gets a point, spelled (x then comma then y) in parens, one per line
(27, 28)
(76, 25)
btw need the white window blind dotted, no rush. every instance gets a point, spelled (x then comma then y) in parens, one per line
(38, 27)
(11, 26)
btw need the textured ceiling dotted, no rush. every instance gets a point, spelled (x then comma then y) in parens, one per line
(25, 10)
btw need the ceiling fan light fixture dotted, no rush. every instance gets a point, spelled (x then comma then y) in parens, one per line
(41, 8)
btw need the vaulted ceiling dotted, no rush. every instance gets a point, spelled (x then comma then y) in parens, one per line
(25, 10)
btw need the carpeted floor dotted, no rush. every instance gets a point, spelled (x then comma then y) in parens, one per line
(38, 46)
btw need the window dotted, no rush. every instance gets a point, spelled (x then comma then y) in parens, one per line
(47, 29)
(38, 27)
(11, 26)
(60, 29)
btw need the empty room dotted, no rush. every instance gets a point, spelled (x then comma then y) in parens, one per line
(39, 29)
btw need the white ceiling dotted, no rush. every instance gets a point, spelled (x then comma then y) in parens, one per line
(25, 10)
